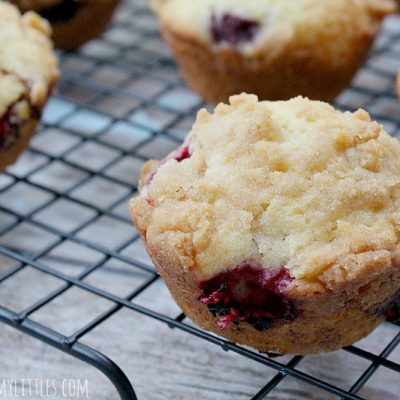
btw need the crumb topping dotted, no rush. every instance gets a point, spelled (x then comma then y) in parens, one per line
(27, 61)
(291, 184)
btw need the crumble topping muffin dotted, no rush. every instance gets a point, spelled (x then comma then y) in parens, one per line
(277, 224)
(275, 49)
(74, 22)
(28, 74)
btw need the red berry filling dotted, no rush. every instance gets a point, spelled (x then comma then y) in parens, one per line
(249, 293)
(232, 29)
(181, 153)
(8, 129)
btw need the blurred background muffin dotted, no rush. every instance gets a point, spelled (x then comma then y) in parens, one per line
(74, 22)
(276, 50)
(28, 74)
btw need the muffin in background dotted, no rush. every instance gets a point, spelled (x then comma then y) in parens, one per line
(275, 49)
(277, 224)
(28, 74)
(74, 22)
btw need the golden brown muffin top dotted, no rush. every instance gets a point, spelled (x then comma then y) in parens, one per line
(293, 184)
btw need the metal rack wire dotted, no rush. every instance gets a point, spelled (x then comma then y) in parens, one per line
(128, 80)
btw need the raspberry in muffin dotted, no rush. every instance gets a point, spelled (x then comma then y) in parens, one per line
(275, 49)
(28, 74)
(74, 22)
(277, 224)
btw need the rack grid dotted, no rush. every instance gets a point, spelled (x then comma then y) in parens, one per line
(120, 102)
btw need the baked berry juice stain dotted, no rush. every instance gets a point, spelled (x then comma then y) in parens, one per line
(249, 293)
(233, 29)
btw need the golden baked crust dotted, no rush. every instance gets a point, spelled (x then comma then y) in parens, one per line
(74, 31)
(290, 185)
(215, 76)
(309, 47)
(328, 320)
(28, 73)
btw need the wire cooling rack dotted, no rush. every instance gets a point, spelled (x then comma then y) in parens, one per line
(120, 102)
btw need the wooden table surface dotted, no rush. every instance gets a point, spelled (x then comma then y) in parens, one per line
(162, 363)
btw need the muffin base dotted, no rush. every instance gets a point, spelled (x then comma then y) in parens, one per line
(9, 156)
(216, 75)
(304, 335)
(329, 316)
(71, 34)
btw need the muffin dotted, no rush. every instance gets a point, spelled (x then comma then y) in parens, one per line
(277, 224)
(28, 74)
(275, 49)
(74, 22)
